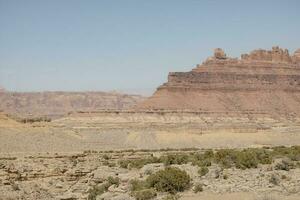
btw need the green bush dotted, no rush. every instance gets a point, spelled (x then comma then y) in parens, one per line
(145, 194)
(203, 159)
(170, 180)
(36, 119)
(178, 159)
(136, 185)
(295, 154)
(124, 163)
(203, 171)
(138, 163)
(225, 176)
(106, 157)
(283, 176)
(203, 163)
(208, 154)
(198, 188)
(247, 158)
(113, 181)
(281, 150)
(290, 152)
(97, 190)
(225, 157)
(263, 156)
(100, 189)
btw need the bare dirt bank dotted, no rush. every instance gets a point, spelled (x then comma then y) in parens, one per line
(104, 131)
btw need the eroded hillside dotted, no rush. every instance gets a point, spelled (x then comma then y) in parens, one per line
(54, 104)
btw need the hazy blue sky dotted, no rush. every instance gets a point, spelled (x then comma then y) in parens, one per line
(130, 44)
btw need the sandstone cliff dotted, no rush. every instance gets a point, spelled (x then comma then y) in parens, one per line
(263, 81)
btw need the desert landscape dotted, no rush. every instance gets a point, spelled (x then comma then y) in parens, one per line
(227, 129)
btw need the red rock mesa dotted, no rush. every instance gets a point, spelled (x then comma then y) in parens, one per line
(263, 81)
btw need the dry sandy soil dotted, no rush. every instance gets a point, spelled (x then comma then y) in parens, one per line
(45, 160)
(106, 131)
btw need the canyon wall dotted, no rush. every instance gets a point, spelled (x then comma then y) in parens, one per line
(54, 104)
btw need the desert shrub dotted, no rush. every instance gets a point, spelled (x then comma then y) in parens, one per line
(203, 163)
(138, 163)
(171, 197)
(281, 150)
(208, 154)
(198, 188)
(124, 163)
(36, 119)
(113, 181)
(247, 158)
(290, 152)
(136, 185)
(225, 176)
(284, 164)
(203, 159)
(283, 176)
(100, 189)
(225, 157)
(274, 179)
(111, 164)
(14, 186)
(170, 180)
(263, 156)
(106, 157)
(144, 194)
(97, 190)
(107, 163)
(203, 171)
(178, 159)
(294, 153)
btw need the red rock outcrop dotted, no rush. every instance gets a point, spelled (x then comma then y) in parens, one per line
(263, 81)
(296, 56)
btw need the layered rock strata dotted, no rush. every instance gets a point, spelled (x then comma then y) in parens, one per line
(53, 104)
(263, 81)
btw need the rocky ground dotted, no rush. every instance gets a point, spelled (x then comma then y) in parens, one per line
(84, 154)
(73, 176)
